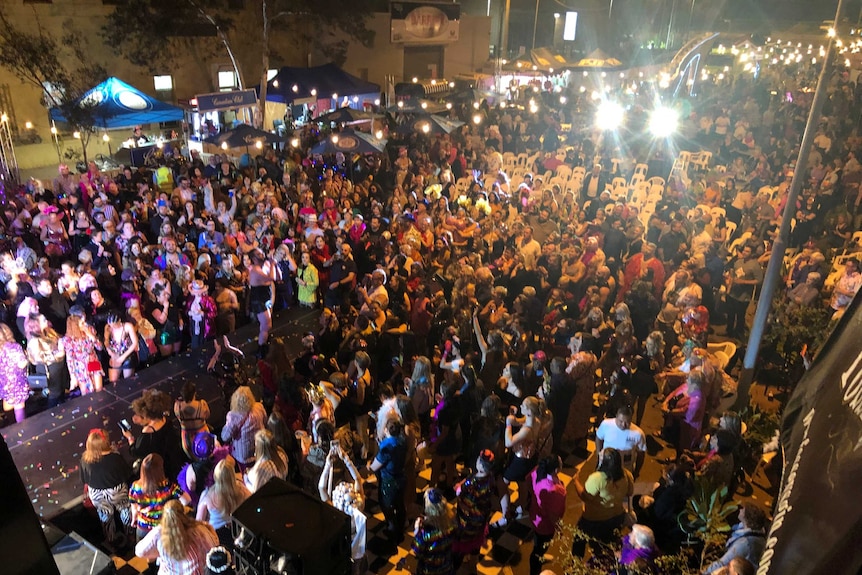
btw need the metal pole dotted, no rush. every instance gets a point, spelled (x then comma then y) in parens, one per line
(535, 24)
(776, 260)
(504, 33)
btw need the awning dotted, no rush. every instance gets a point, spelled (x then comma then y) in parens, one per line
(549, 59)
(116, 104)
(598, 59)
(292, 84)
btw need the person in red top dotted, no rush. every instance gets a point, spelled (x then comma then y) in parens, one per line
(637, 267)
(547, 506)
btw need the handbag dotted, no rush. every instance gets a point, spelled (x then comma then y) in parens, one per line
(94, 365)
(38, 381)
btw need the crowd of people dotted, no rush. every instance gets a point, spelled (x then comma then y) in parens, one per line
(465, 324)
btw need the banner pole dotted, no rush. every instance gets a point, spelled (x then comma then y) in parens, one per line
(776, 260)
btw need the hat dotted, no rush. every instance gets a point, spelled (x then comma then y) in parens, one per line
(198, 287)
(219, 561)
(203, 445)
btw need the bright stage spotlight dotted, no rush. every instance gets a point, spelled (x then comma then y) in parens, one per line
(663, 122)
(609, 115)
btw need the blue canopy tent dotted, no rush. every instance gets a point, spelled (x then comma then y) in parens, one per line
(294, 84)
(116, 104)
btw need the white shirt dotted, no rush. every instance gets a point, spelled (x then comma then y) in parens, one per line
(531, 252)
(631, 439)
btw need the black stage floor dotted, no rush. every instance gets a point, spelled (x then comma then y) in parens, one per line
(47, 446)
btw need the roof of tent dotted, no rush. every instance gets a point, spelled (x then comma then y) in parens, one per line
(119, 105)
(327, 80)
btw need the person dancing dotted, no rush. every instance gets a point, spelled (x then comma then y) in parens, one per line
(261, 278)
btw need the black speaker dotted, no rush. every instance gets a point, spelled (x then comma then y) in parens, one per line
(283, 522)
(23, 546)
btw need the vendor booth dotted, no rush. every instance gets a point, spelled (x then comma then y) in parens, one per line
(301, 94)
(117, 105)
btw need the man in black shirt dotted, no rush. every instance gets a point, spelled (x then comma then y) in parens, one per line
(342, 274)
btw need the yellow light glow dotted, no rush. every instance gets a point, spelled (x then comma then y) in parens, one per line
(378, 134)
(313, 92)
(477, 119)
(426, 128)
(334, 139)
(28, 125)
(275, 83)
(294, 142)
(76, 134)
(106, 138)
(224, 145)
(258, 145)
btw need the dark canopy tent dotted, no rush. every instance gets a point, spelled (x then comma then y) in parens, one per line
(116, 104)
(325, 80)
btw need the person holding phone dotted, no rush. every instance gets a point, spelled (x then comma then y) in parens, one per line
(348, 497)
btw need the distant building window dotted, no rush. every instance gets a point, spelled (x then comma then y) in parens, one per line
(270, 74)
(163, 83)
(227, 80)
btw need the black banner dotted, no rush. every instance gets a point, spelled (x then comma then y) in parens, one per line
(817, 525)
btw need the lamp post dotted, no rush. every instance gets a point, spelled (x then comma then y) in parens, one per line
(535, 23)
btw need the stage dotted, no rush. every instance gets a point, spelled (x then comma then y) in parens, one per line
(47, 446)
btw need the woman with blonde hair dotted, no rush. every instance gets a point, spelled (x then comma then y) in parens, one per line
(524, 445)
(179, 542)
(221, 499)
(14, 389)
(270, 461)
(80, 342)
(104, 473)
(433, 536)
(245, 418)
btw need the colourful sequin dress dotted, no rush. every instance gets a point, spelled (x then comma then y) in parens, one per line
(14, 388)
(474, 507)
(433, 550)
(80, 351)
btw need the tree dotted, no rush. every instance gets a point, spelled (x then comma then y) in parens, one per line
(155, 33)
(60, 68)
(326, 25)
(187, 28)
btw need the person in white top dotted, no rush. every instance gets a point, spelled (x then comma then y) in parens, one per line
(621, 434)
(529, 248)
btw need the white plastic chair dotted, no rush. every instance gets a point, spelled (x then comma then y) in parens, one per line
(656, 181)
(731, 228)
(717, 212)
(564, 171)
(641, 169)
(579, 171)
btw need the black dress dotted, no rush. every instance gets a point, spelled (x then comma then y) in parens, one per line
(166, 442)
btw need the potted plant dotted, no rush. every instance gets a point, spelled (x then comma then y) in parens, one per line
(705, 520)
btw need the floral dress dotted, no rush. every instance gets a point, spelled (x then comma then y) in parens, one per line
(80, 353)
(14, 388)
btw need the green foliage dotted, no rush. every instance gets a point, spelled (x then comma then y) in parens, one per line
(705, 517)
(603, 556)
(792, 326)
(760, 424)
(154, 33)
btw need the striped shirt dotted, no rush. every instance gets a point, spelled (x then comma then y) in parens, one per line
(150, 505)
(202, 538)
